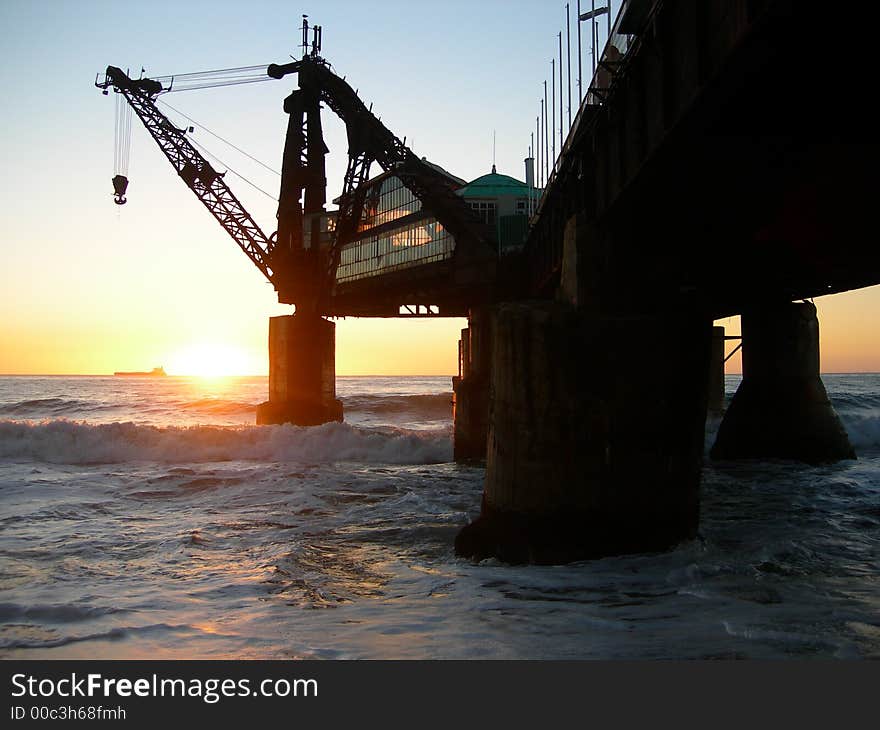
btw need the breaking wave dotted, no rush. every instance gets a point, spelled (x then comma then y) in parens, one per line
(844, 402)
(436, 405)
(48, 407)
(69, 442)
(219, 406)
(862, 427)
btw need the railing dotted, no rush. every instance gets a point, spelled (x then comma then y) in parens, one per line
(616, 47)
(613, 56)
(426, 241)
(546, 226)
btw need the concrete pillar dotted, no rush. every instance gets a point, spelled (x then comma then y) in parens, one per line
(716, 371)
(302, 372)
(471, 389)
(595, 435)
(781, 409)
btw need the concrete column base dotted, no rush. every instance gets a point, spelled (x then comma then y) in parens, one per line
(594, 449)
(470, 417)
(471, 389)
(299, 413)
(716, 372)
(302, 372)
(781, 409)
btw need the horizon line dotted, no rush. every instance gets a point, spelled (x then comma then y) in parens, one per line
(343, 375)
(232, 375)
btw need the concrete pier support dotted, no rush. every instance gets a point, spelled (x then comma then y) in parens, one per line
(302, 372)
(595, 435)
(781, 409)
(471, 389)
(716, 371)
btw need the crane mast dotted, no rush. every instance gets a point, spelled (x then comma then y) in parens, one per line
(369, 140)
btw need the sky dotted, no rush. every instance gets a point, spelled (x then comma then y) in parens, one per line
(90, 287)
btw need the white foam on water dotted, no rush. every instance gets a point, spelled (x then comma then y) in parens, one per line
(69, 442)
(862, 427)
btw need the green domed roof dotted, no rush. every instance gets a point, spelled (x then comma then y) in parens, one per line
(493, 185)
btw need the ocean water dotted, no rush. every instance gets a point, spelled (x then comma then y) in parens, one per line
(147, 518)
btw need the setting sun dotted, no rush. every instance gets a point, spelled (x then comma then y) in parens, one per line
(212, 360)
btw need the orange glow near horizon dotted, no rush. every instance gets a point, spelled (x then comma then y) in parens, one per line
(363, 347)
(212, 360)
(199, 340)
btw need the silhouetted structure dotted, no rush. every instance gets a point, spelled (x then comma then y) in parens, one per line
(707, 173)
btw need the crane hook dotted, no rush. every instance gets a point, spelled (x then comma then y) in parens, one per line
(120, 185)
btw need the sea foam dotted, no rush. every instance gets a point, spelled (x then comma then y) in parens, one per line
(69, 442)
(863, 428)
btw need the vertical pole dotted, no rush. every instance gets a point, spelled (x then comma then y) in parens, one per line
(305, 30)
(546, 141)
(529, 185)
(532, 186)
(538, 155)
(609, 19)
(593, 37)
(541, 144)
(553, 110)
(580, 67)
(561, 138)
(568, 57)
(533, 194)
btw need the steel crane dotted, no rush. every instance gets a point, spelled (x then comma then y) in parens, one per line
(299, 260)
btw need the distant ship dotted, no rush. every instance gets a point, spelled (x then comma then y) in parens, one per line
(154, 372)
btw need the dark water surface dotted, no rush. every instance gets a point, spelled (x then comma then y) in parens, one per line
(146, 518)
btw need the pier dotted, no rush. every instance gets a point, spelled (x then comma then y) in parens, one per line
(717, 164)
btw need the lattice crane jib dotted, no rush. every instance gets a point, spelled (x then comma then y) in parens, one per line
(207, 184)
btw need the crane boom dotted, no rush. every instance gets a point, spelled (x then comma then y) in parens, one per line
(198, 174)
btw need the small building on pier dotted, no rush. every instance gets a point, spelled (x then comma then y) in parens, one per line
(396, 232)
(503, 203)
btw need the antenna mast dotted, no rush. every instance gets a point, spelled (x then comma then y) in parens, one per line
(493, 150)
(316, 38)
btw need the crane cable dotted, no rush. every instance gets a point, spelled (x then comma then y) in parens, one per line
(121, 149)
(213, 78)
(205, 151)
(190, 81)
(122, 136)
(225, 141)
(237, 174)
